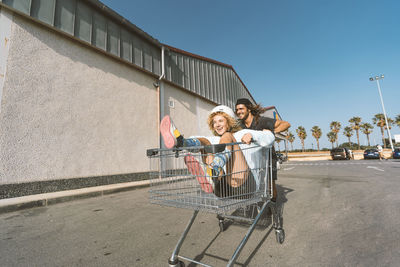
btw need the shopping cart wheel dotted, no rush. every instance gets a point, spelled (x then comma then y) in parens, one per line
(177, 263)
(280, 235)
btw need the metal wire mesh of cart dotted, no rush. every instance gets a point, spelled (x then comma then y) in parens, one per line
(182, 177)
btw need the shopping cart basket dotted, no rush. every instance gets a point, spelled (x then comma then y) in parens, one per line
(180, 178)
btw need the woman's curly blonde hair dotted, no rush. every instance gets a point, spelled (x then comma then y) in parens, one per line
(233, 124)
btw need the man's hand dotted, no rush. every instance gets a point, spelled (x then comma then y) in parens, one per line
(281, 126)
(247, 138)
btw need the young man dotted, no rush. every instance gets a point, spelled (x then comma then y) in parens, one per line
(250, 117)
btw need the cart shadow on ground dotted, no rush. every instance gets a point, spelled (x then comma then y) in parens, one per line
(250, 212)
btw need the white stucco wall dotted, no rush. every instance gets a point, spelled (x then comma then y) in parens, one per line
(189, 113)
(5, 32)
(68, 111)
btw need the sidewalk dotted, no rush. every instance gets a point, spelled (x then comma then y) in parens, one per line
(325, 155)
(39, 200)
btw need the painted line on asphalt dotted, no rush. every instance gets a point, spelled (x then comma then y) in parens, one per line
(288, 169)
(372, 167)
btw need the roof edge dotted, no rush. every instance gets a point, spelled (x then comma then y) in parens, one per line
(196, 56)
(111, 13)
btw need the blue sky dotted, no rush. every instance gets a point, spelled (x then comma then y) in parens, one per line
(312, 59)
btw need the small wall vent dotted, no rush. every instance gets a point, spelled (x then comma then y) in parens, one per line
(171, 103)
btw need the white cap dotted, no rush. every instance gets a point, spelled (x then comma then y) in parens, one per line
(225, 109)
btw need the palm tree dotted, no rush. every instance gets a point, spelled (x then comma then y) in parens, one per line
(355, 124)
(348, 131)
(290, 138)
(335, 127)
(316, 132)
(331, 137)
(379, 120)
(301, 133)
(397, 120)
(367, 130)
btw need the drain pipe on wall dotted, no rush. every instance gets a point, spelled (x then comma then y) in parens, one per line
(160, 90)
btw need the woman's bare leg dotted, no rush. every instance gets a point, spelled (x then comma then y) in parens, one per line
(204, 142)
(236, 167)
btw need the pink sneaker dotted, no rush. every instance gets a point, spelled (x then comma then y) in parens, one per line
(169, 132)
(196, 169)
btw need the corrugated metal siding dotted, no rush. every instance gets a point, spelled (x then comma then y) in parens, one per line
(85, 20)
(90, 24)
(211, 80)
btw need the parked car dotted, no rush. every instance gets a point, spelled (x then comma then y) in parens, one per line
(371, 154)
(396, 153)
(341, 153)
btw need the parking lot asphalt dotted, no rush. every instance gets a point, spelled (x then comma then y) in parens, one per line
(338, 213)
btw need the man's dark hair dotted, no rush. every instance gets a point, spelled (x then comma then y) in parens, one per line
(255, 109)
(243, 101)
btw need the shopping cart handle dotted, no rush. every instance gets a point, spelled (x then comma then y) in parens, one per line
(152, 152)
(218, 148)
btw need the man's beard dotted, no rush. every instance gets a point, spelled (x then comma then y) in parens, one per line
(245, 117)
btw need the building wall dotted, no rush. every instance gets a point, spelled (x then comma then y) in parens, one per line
(68, 111)
(5, 32)
(189, 113)
(213, 80)
(96, 25)
(270, 113)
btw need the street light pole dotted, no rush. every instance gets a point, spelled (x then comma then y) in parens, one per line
(377, 78)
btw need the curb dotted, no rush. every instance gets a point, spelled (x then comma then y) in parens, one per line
(40, 200)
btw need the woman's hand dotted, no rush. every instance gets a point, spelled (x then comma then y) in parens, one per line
(247, 138)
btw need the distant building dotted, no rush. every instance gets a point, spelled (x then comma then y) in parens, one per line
(82, 91)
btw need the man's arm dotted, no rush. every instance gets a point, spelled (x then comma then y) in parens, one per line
(263, 138)
(281, 126)
(268, 124)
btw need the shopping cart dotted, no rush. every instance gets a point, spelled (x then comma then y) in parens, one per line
(180, 178)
